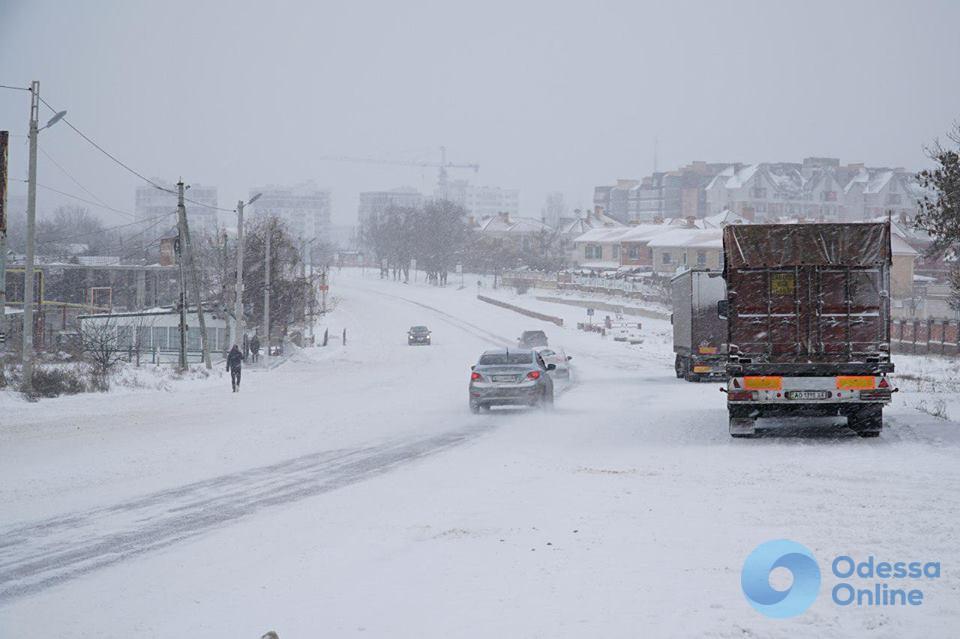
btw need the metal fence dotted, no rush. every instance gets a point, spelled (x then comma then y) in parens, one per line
(928, 336)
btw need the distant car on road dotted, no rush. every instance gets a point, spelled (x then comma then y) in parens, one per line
(510, 378)
(418, 335)
(559, 359)
(532, 339)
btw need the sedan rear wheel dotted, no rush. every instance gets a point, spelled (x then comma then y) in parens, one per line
(546, 400)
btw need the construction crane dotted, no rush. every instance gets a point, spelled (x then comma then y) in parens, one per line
(443, 165)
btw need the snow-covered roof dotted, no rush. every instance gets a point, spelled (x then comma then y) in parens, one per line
(505, 224)
(695, 238)
(644, 232)
(723, 218)
(878, 182)
(591, 221)
(899, 246)
(602, 235)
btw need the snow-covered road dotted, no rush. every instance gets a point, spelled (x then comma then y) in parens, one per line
(350, 491)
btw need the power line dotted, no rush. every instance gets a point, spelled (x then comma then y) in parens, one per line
(84, 200)
(111, 228)
(5, 86)
(73, 179)
(102, 150)
(127, 167)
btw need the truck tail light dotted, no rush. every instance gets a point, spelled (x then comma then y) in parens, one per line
(883, 383)
(741, 396)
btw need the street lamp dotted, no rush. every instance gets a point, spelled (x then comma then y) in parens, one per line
(238, 307)
(27, 353)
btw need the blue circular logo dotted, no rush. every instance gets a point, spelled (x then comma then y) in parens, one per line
(780, 553)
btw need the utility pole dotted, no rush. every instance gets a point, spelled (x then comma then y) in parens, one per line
(238, 308)
(312, 291)
(238, 304)
(323, 291)
(4, 139)
(183, 296)
(303, 279)
(27, 354)
(266, 284)
(194, 275)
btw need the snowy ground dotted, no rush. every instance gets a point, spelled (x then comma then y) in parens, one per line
(350, 492)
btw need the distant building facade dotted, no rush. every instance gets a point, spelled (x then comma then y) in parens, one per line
(376, 202)
(201, 204)
(818, 188)
(304, 208)
(481, 201)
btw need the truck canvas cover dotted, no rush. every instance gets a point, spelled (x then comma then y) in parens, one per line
(808, 293)
(773, 245)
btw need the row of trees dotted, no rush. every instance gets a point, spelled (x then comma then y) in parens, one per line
(438, 236)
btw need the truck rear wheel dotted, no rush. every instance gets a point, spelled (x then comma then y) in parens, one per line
(867, 421)
(678, 367)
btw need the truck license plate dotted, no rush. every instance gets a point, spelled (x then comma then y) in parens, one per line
(808, 395)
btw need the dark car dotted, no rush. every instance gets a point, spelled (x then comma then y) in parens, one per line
(532, 339)
(418, 335)
(510, 378)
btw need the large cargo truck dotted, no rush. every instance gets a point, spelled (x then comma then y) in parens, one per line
(808, 323)
(699, 334)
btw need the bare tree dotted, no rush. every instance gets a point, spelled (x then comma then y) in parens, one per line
(105, 344)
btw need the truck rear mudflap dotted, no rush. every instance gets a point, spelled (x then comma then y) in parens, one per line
(859, 398)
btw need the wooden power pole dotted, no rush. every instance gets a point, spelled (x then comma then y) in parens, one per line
(194, 274)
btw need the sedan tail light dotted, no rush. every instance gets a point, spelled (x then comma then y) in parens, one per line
(533, 375)
(475, 376)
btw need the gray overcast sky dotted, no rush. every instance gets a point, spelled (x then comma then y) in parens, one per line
(544, 96)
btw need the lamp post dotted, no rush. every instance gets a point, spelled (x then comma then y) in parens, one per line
(26, 360)
(238, 307)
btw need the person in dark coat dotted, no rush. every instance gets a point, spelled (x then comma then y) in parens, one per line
(234, 364)
(255, 348)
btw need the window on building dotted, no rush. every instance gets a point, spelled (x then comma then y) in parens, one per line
(143, 337)
(634, 252)
(193, 338)
(592, 252)
(616, 251)
(124, 337)
(667, 258)
(160, 338)
(759, 192)
(701, 258)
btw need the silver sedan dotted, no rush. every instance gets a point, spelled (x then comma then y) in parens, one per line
(510, 378)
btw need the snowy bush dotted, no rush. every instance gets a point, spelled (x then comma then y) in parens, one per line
(53, 381)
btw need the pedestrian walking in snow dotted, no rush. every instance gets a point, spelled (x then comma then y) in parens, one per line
(255, 348)
(234, 365)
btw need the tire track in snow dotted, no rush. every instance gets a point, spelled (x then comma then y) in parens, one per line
(38, 555)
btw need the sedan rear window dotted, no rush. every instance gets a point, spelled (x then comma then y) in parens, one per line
(505, 359)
